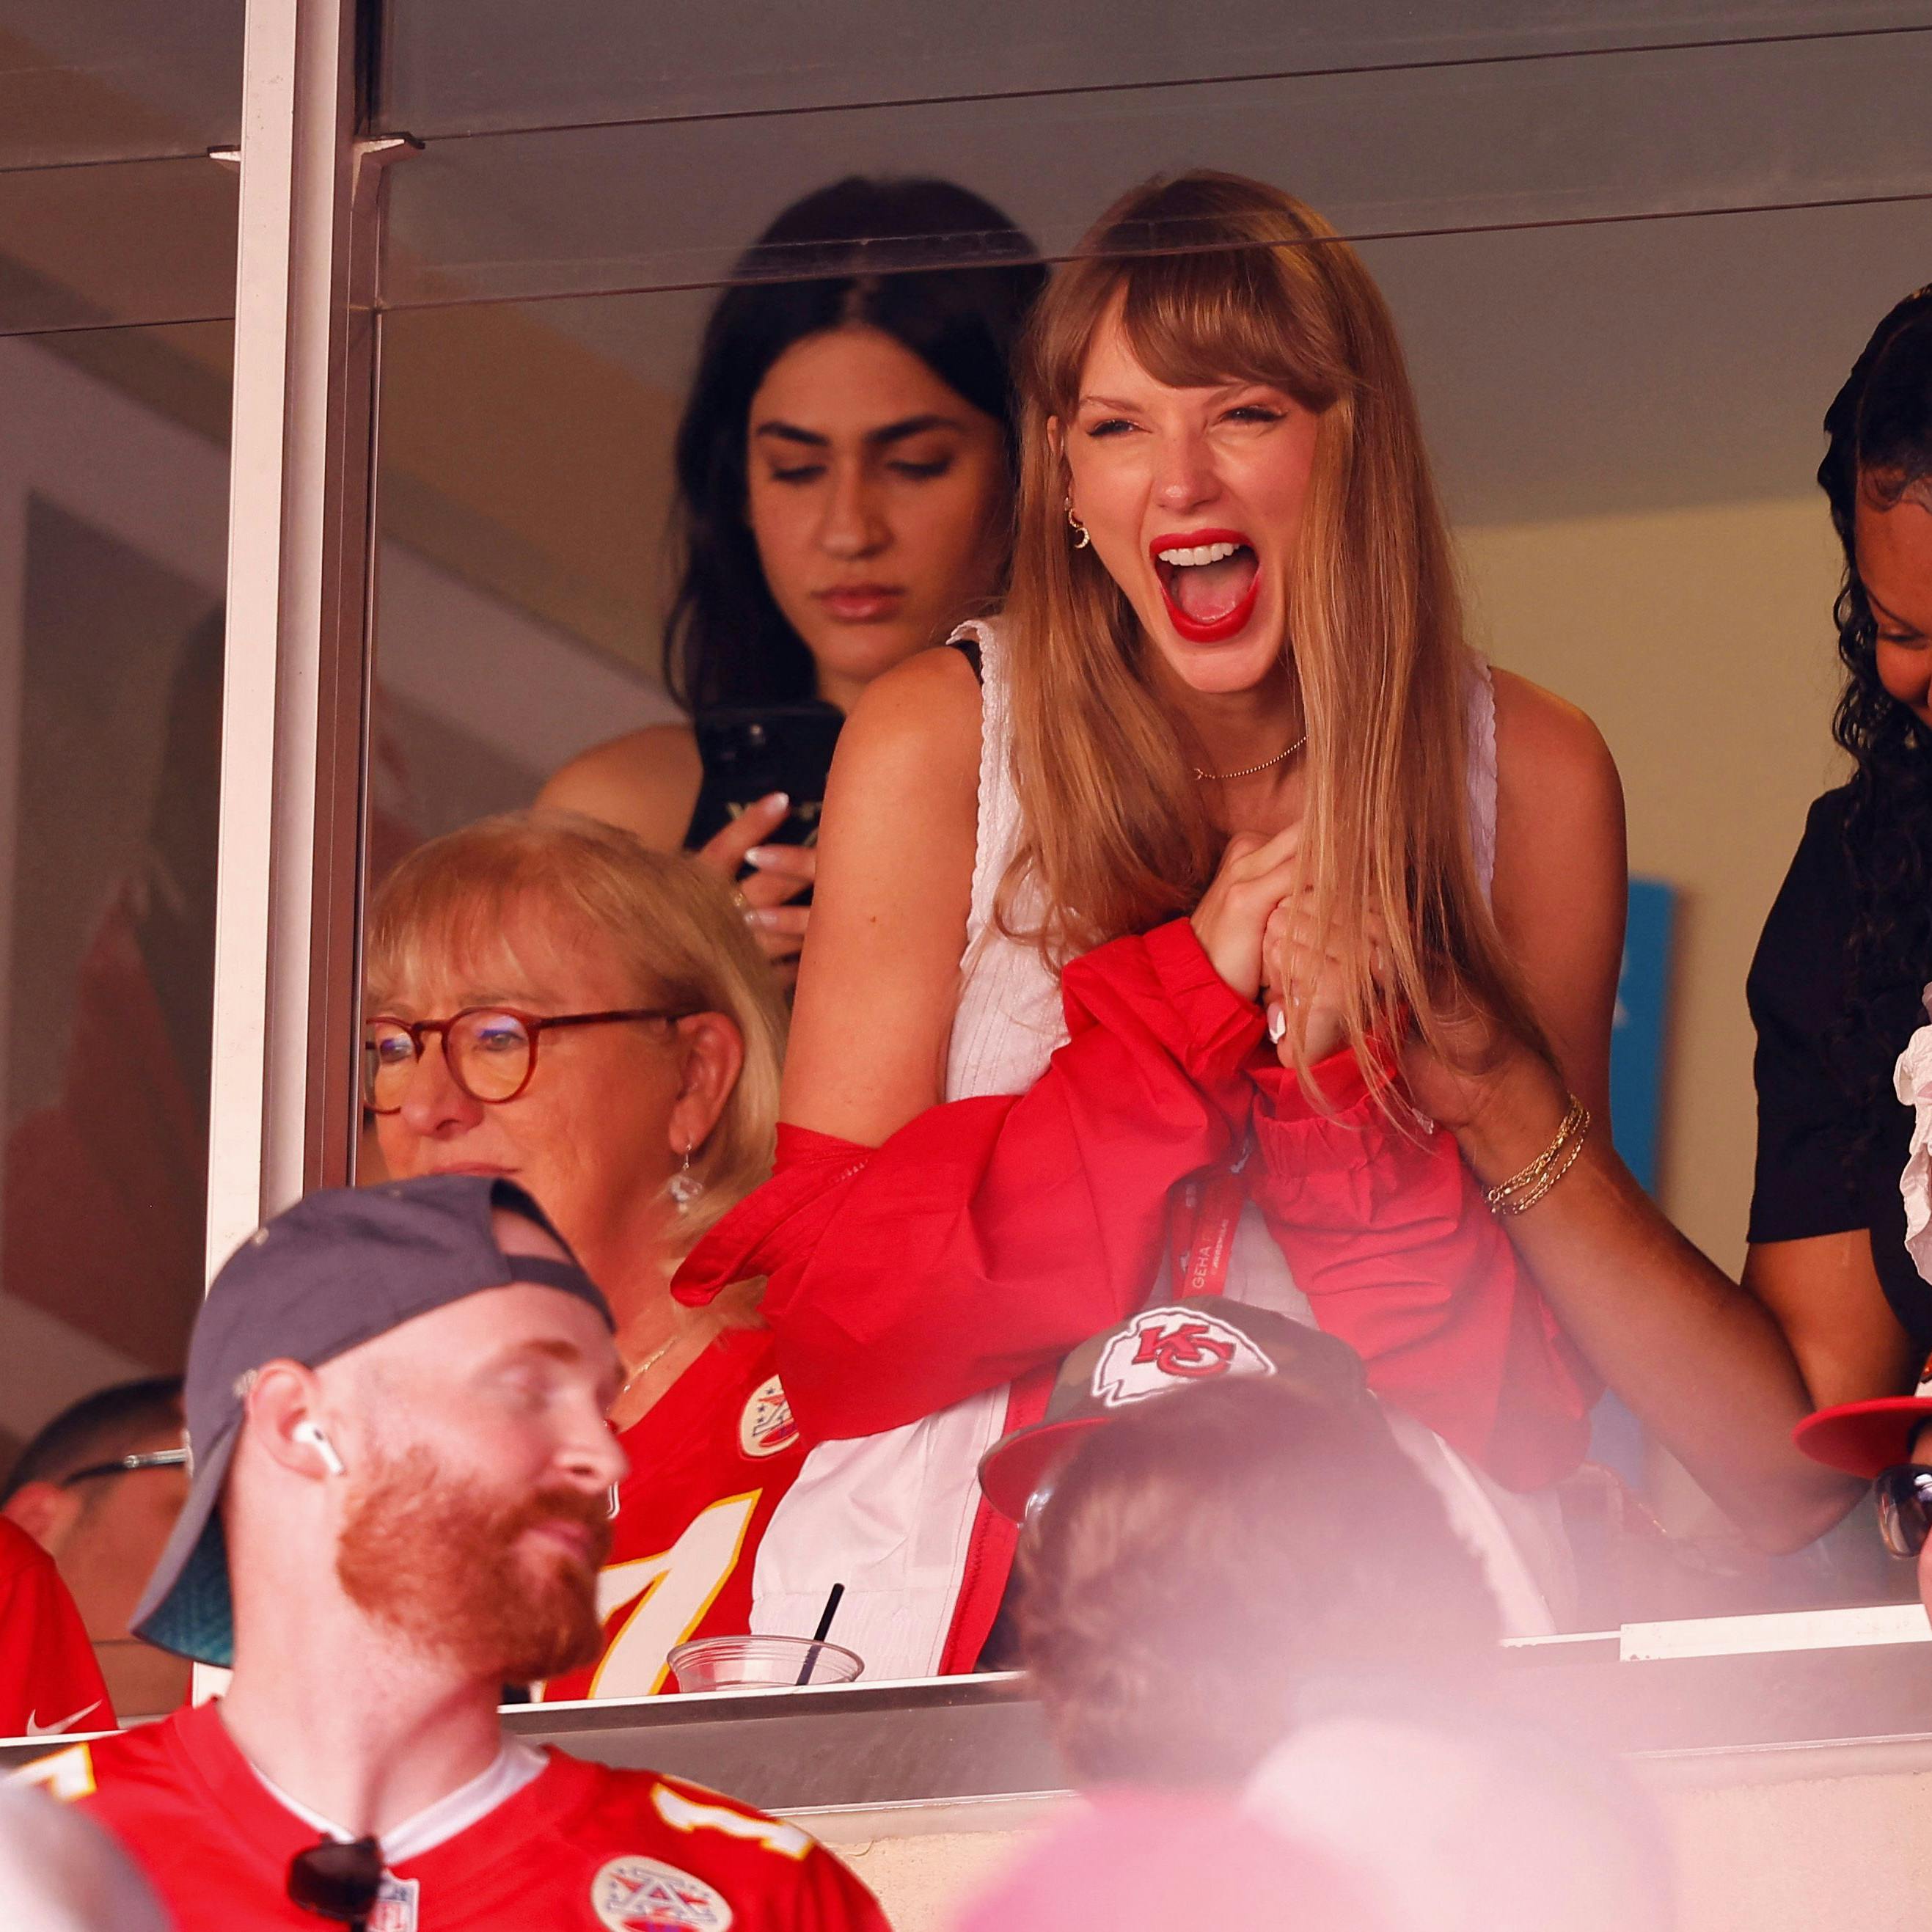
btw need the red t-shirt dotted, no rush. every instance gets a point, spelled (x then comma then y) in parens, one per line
(708, 1465)
(581, 1848)
(48, 1679)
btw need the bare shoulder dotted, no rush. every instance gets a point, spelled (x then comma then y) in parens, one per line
(922, 716)
(1548, 750)
(904, 788)
(646, 781)
(879, 978)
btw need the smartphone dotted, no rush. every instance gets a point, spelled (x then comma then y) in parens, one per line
(749, 754)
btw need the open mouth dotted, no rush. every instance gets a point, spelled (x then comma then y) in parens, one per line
(1209, 579)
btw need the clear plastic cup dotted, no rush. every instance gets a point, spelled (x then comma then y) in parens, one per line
(761, 1662)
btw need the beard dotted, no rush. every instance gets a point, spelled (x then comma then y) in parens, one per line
(450, 1570)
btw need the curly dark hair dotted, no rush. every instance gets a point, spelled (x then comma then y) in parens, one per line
(1207, 1562)
(929, 263)
(1880, 430)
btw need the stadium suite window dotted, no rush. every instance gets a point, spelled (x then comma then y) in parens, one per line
(117, 282)
(497, 246)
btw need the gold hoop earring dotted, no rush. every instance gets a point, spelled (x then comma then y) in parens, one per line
(1085, 536)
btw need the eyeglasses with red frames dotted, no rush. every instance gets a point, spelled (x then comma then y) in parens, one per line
(490, 1052)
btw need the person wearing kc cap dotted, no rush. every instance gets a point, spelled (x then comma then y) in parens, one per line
(1250, 1621)
(395, 1399)
(1196, 1340)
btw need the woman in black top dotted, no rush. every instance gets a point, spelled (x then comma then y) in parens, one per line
(1836, 987)
(845, 470)
(1831, 1308)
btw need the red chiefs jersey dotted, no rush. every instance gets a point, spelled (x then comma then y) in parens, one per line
(581, 1848)
(48, 1679)
(708, 1465)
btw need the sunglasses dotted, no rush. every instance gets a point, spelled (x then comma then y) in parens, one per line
(336, 1881)
(1904, 1494)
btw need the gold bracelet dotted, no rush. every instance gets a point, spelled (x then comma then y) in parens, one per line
(1522, 1203)
(1573, 1117)
(1522, 1191)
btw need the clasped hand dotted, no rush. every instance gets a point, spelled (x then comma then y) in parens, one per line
(1256, 923)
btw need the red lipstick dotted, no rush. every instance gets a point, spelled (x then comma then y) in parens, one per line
(1231, 623)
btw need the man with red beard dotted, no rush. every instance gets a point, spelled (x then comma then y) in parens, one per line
(395, 1398)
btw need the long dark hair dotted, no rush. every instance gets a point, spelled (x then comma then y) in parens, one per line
(860, 251)
(1880, 427)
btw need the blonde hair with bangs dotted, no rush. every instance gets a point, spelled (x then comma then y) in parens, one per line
(671, 923)
(1218, 279)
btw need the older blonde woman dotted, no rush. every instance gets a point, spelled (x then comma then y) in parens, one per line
(548, 999)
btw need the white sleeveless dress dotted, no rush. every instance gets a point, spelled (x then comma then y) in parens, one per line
(891, 1515)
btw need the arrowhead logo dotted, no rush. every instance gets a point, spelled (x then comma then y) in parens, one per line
(1168, 1348)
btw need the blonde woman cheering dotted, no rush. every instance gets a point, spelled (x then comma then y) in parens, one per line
(1224, 756)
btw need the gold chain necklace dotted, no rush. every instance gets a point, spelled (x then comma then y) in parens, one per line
(644, 1367)
(1249, 771)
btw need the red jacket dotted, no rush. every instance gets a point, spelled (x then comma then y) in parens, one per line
(988, 1236)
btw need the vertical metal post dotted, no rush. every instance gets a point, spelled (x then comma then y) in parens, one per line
(294, 703)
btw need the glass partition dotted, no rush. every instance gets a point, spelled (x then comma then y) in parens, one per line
(113, 505)
(470, 67)
(1632, 253)
(97, 80)
(117, 292)
(1381, 152)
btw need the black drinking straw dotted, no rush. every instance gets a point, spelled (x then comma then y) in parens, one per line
(825, 1616)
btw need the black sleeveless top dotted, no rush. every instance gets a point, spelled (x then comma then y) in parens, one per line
(1832, 1138)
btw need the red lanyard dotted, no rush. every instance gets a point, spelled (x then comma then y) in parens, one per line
(1208, 1210)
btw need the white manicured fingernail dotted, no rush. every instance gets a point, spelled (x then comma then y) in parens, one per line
(782, 800)
(1277, 1024)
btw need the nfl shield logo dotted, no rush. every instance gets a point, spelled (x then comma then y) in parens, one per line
(765, 1428)
(641, 1894)
(395, 1907)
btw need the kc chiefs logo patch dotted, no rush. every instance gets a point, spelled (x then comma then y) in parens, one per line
(1167, 1347)
(641, 1894)
(766, 1427)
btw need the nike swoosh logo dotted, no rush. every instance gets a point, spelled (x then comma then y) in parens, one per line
(35, 1729)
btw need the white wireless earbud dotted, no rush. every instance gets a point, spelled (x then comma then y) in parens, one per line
(314, 1434)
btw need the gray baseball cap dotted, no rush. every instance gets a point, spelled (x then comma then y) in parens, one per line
(1154, 1354)
(339, 1268)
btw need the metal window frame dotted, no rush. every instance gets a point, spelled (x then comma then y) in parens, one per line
(301, 593)
(300, 588)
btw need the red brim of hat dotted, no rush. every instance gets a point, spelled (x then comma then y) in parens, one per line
(1013, 1468)
(1862, 1437)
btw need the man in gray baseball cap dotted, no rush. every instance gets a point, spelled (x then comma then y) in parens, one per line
(337, 1270)
(396, 1400)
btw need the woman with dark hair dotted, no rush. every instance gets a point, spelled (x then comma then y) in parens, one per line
(845, 476)
(1836, 986)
